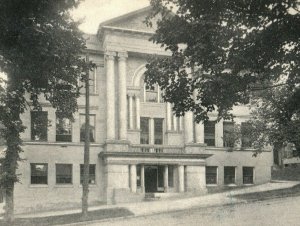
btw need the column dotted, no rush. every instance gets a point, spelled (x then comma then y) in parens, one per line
(199, 132)
(151, 130)
(219, 133)
(181, 178)
(130, 112)
(169, 115)
(175, 123)
(180, 123)
(143, 178)
(166, 179)
(188, 127)
(110, 95)
(122, 97)
(133, 178)
(137, 108)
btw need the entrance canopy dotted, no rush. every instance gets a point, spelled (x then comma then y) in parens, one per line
(153, 158)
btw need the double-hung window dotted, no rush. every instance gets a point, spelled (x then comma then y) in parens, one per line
(39, 173)
(63, 173)
(63, 128)
(39, 125)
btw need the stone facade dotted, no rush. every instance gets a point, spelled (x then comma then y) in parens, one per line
(139, 146)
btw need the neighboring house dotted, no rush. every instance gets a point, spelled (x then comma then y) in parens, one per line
(137, 146)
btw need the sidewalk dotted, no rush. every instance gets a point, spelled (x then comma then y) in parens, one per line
(153, 207)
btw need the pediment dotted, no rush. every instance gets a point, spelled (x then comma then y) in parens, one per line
(131, 21)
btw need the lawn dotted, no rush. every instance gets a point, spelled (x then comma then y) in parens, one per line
(72, 218)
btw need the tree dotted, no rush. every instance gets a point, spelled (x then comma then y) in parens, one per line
(222, 51)
(40, 47)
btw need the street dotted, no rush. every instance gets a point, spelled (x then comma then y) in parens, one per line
(283, 211)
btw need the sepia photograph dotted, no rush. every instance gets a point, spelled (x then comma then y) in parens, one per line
(149, 112)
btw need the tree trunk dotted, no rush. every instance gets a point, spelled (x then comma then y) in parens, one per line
(85, 184)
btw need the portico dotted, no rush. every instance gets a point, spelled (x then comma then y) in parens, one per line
(139, 173)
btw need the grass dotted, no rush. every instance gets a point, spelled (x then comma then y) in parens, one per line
(72, 218)
(273, 194)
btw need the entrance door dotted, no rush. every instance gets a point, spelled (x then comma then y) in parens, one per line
(150, 178)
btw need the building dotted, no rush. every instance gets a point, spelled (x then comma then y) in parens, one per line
(138, 146)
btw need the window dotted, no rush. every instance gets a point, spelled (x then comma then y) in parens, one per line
(92, 127)
(144, 139)
(228, 134)
(63, 128)
(158, 131)
(39, 173)
(151, 94)
(209, 133)
(211, 173)
(248, 175)
(92, 82)
(39, 124)
(64, 173)
(229, 175)
(171, 176)
(92, 173)
(246, 135)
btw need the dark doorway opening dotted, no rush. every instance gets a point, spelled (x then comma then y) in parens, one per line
(150, 179)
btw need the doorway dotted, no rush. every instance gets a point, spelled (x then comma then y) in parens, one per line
(150, 179)
(154, 179)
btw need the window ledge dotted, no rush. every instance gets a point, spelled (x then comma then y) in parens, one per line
(211, 185)
(38, 186)
(248, 184)
(230, 185)
(90, 186)
(64, 186)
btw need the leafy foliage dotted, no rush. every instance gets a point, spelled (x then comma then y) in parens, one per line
(40, 47)
(221, 50)
(230, 52)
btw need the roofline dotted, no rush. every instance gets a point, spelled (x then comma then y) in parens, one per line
(124, 16)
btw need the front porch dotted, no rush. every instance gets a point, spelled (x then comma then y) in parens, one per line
(151, 169)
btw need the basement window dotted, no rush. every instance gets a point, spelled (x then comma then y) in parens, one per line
(63, 173)
(211, 173)
(39, 173)
(248, 175)
(229, 175)
(92, 173)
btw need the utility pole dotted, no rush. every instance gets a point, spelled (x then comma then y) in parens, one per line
(85, 183)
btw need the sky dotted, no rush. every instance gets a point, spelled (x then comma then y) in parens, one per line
(96, 11)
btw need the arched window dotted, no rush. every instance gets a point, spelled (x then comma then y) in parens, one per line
(151, 94)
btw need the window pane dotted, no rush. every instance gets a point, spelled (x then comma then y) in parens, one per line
(92, 127)
(152, 94)
(158, 131)
(171, 176)
(92, 173)
(211, 174)
(246, 134)
(248, 175)
(63, 173)
(63, 128)
(229, 175)
(92, 83)
(228, 134)
(209, 133)
(39, 124)
(39, 173)
(144, 139)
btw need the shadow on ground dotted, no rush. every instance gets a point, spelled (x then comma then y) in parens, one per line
(72, 218)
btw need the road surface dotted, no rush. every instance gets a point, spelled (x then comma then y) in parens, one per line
(285, 211)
